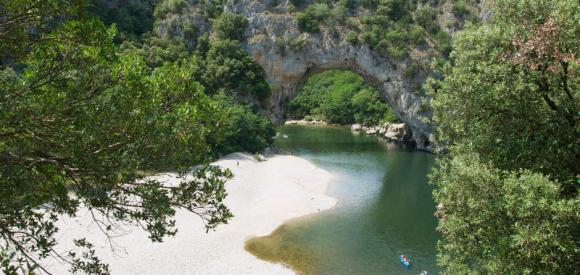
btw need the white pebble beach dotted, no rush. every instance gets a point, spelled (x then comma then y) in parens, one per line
(262, 196)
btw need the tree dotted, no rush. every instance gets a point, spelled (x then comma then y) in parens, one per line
(80, 125)
(495, 222)
(18, 16)
(507, 109)
(230, 68)
(518, 71)
(230, 26)
(368, 107)
(244, 130)
(132, 17)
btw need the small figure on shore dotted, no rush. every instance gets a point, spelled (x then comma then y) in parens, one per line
(238, 163)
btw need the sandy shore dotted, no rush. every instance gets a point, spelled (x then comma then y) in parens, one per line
(262, 195)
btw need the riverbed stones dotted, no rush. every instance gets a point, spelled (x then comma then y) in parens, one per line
(305, 122)
(399, 132)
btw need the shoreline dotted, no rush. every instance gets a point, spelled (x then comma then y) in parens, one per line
(262, 195)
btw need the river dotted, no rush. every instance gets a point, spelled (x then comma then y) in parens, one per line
(385, 208)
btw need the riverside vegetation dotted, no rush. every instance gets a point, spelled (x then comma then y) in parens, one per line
(87, 108)
(84, 113)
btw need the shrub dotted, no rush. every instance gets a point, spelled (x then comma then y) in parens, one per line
(307, 22)
(230, 26)
(460, 8)
(397, 53)
(411, 70)
(297, 44)
(168, 7)
(310, 19)
(352, 37)
(426, 17)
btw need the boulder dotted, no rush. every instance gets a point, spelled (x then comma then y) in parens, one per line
(399, 132)
(382, 131)
(372, 131)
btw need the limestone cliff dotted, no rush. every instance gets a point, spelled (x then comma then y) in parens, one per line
(289, 56)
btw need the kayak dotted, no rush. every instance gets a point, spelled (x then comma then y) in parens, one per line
(406, 262)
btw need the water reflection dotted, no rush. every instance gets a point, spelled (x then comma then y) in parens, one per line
(385, 208)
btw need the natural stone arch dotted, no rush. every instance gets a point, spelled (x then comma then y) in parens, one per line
(289, 56)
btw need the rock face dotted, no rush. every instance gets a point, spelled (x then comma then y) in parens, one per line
(289, 57)
(398, 132)
(395, 132)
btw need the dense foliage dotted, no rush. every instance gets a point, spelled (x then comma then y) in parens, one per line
(392, 27)
(82, 119)
(132, 17)
(245, 129)
(230, 26)
(340, 97)
(508, 108)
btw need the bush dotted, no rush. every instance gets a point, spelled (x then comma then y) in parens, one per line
(168, 7)
(397, 53)
(411, 70)
(426, 17)
(417, 36)
(310, 19)
(352, 37)
(390, 116)
(297, 44)
(230, 26)
(307, 22)
(460, 8)
(443, 42)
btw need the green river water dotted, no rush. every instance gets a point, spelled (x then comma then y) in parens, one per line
(385, 208)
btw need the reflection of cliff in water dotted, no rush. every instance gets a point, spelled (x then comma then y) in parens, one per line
(395, 146)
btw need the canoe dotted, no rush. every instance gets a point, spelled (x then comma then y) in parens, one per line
(405, 263)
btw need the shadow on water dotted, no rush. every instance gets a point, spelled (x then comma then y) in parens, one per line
(385, 208)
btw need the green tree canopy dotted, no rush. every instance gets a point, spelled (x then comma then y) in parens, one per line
(230, 26)
(79, 126)
(230, 68)
(508, 110)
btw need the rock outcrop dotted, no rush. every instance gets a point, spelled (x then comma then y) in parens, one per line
(393, 132)
(305, 122)
(398, 132)
(289, 57)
